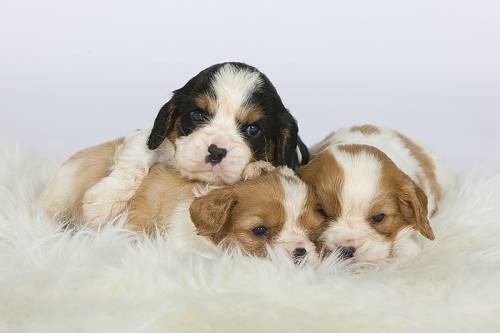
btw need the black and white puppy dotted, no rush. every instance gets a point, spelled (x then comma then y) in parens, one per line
(224, 119)
(225, 124)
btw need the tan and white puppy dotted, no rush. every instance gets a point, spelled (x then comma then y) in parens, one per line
(225, 124)
(95, 185)
(378, 189)
(276, 211)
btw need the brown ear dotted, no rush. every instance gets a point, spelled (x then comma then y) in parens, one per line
(325, 176)
(211, 212)
(413, 202)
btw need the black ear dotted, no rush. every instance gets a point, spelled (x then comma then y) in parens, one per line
(164, 124)
(287, 143)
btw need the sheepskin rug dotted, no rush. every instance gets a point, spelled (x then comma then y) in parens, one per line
(52, 280)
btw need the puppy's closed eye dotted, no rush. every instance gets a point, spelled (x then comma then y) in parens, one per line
(199, 116)
(376, 219)
(260, 231)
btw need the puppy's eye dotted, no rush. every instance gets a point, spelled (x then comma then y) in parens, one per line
(198, 116)
(252, 130)
(375, 219)
(322, 212)
(260, 231)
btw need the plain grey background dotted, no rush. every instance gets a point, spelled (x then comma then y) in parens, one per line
(76, 73)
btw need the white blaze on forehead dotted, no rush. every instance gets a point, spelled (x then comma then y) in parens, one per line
(292, 236)
(294, 202)
(362, 172)
(233, 86)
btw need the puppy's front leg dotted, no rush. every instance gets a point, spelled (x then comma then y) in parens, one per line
(256, 169)
(108, 198)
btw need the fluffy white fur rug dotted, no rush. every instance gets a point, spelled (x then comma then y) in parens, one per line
(114, 281)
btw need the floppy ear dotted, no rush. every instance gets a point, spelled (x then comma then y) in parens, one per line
(287, 143)
(164, 124)
(211, 212)
(413, 202)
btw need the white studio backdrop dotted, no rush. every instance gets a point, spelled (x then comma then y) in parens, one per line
(76, 73)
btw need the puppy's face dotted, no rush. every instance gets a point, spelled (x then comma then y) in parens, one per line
(371, 205)
(225, 117)
(276, 210)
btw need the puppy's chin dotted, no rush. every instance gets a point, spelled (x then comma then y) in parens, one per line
(191, 161)
(210, 177)
(220, 174)
(373, 251)
(406, 245)
(287, 243)
(370, 248)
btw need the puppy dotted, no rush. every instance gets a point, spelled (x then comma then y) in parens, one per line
(225, 124)
(378, 189)
(276, 211)
(222, 120)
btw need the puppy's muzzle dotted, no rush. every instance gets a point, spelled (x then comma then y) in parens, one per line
(215, 154)
(299, 254)
(346, 252)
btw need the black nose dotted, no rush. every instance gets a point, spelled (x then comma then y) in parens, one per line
(215, 154)
(346, 252)
(299, 252)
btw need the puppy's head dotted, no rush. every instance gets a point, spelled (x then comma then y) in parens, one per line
(369, 203)
(225, 117)
(276, 210)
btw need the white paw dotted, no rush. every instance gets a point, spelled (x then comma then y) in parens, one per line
(256, 169)
(200, 190)
(105, 201)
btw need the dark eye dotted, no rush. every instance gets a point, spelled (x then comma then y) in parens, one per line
(260, 231)
(252, 130)
(198, 116)
(322, 212)
(375, 219)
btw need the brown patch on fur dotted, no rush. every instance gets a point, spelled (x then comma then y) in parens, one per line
(426, 164)
(93, 164)
(247, 114)
(311, 220)
(206, 103)
(325, 176)
(283, 139)
(157, 197)
(175, 133)
(365, 129)
(398, 198)
(270, 149)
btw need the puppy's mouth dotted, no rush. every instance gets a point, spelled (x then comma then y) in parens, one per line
(345, 252)
(216, 169)
(218, 174)
(299, 256)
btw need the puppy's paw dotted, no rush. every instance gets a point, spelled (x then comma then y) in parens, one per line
(106, 200)
(200, 190)
(256, 169)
